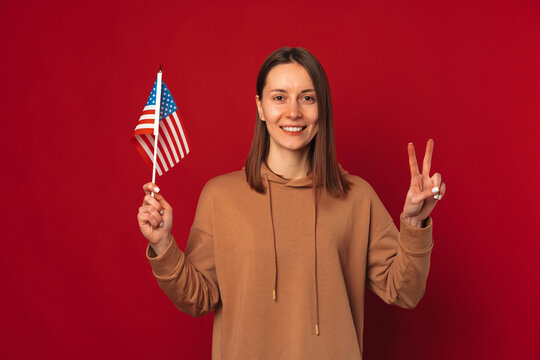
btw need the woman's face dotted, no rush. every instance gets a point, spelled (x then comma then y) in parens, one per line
(289, 107)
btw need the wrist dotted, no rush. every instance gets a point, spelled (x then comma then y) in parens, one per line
(161, 246)
(413, 221)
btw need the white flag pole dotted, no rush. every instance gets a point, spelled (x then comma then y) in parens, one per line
(156, 122)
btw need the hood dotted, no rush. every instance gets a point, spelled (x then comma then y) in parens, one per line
(268, 176)
(303, 182)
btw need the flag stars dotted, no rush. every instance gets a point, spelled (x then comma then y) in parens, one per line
(168, 105)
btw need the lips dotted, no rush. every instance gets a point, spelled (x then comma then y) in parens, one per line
(297, 129)
(302, 126)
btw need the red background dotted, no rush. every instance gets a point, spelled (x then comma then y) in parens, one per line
(75, 77)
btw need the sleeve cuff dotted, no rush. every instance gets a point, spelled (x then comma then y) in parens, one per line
(166, 263)
(415, 240)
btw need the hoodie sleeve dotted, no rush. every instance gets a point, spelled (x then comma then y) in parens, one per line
(398, 261)
(189, 278)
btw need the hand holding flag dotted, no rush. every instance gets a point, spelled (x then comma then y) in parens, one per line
(155, 219)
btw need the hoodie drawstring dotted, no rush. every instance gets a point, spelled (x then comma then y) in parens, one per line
(315, 272)
(274, 292)
(315, 287)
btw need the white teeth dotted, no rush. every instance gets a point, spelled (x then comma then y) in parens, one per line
(290, 128)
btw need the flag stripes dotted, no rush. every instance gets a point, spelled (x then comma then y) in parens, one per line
(170, 148)
(172, 144)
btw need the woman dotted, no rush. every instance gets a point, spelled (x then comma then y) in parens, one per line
(283, 249)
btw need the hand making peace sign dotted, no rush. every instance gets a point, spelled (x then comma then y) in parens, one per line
(424, 191)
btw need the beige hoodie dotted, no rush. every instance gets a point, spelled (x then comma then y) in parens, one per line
(287, 278)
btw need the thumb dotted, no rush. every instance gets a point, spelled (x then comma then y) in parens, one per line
(428, 193)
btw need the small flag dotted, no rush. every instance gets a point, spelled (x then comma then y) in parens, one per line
(172, 140)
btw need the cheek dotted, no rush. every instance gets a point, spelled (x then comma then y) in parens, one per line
(315, 121)
(313, 114)
(273, 113)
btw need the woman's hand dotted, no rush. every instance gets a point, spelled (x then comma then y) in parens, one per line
(424, 191)
(155, 218)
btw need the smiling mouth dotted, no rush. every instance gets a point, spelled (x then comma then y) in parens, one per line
(293, 129)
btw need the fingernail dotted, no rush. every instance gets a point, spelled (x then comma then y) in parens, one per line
(161, 224)
(161, 212)
(435, 189)
(156, 189)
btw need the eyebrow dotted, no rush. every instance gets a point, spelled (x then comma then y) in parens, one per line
(284, 91)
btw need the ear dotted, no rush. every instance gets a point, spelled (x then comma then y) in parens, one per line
(259, 107)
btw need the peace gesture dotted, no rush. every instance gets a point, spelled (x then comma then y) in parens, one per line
(424, 191)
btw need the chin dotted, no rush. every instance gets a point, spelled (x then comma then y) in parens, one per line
(294, 147)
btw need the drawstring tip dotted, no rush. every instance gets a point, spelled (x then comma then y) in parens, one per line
(317, 329)
(274, 294)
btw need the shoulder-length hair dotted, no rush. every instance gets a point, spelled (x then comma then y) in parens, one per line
(322, 160)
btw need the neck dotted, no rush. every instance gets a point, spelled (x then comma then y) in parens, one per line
(290, 164)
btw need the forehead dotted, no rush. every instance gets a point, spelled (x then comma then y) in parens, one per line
(292, 76)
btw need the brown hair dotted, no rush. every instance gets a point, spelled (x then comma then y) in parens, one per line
(322, 160)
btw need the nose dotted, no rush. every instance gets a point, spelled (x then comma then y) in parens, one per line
(293, 110)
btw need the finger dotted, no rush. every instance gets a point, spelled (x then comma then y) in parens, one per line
(155, 218)
(150, 215)
(437, 181)
(150, 188)
(163, 204)
(152, 210)
(149, 200)
(412, 160)
(427, 157)
(443, 190)
(431, 191)
(146, 218)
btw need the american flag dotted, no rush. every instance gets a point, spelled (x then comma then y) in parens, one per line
(172, 140)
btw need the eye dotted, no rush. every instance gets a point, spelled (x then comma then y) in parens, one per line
(278, 97)
(309, 98)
